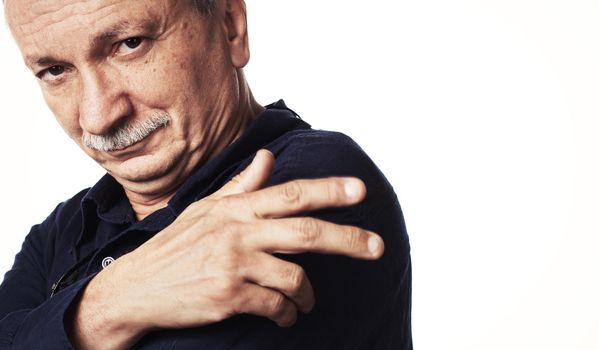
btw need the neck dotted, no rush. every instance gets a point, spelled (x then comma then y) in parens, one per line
(143, 206)
(247, 109)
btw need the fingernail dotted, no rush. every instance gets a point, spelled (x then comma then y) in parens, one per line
(352, 190)
(256, 156)
(374, 245)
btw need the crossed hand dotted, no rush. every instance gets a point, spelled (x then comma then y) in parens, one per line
(215, 260)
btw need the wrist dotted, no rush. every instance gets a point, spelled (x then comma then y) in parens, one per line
(101, 317)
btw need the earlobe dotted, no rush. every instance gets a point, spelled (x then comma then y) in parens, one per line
(236, 30)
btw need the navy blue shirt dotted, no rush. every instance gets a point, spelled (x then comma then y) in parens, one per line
(359, 304)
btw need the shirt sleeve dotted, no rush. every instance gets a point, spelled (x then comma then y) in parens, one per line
(359, 304)
(28, 318)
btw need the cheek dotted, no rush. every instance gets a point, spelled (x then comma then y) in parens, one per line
(155, 82)
(174, 86)
(65, 111)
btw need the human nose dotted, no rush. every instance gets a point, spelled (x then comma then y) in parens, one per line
(103, 102)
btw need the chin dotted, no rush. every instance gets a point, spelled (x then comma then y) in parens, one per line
(143, 169)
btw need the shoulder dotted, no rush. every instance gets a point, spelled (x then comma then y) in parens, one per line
(46, 243)
(308, 154)
(372, 297)
(60, 228)
(67, 211)
(319, 147)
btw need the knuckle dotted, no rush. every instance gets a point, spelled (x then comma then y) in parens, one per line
(295, 278)
(231, 231)
(354, 239)
(308, 231)
(291, 193)
(237, 206)
(226, 204)
(288, 319)
(227, 289)
(231, 235)
(276, 305)
(335, 190)
(196, 209)
(230, 264)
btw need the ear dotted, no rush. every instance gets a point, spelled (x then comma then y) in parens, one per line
(236, 32)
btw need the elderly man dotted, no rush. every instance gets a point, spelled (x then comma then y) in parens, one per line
(196, 238)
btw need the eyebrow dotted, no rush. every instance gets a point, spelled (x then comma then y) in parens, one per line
(112, 32)
(109, 34)
(122, 28)
(39, 61)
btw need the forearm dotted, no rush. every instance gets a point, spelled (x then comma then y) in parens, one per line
(40, 327)
(101, 319)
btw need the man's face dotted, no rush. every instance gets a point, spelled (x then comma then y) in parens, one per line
(142, 86)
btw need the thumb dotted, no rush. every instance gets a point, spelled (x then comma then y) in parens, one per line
(251, 178)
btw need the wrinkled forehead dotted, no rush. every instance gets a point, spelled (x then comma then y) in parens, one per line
(34, 19)
(29, 17)
(62, 28)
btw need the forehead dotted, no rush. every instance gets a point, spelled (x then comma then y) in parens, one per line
(27, 17)
(47, 24)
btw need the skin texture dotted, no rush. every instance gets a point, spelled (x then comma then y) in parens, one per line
(145, 57)
(106, 84)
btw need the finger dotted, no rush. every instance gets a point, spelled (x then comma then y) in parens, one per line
(302, 195)
(260, 301)
(284, 277)
(300, 235)
(251, 178)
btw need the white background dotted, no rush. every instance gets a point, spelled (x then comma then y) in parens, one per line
(483, 114)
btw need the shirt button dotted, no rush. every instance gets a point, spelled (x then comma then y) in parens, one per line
(107, 261)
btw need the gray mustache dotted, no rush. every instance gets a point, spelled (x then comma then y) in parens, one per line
(125, 136)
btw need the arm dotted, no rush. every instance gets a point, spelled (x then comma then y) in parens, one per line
(215, 261)
(26, 317)
(360, 304)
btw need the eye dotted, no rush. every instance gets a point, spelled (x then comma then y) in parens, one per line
(56, 70)
(132, 42)
(51, 74)
(129, 45)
